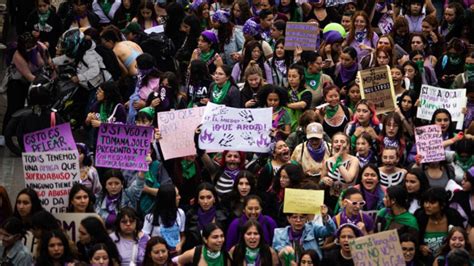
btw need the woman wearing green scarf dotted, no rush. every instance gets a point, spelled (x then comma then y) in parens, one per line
(336, 116)
(105, 9)
(223, 89)
(252, 249)
(208, 50)
(45, 25)
(314, 76)
(395, 215)
(212, 253)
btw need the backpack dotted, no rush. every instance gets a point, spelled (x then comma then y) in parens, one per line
(162, 48)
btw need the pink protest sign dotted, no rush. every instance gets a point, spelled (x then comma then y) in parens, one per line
(123, 146)
(177, 131)
(58, 138)
(429, 143)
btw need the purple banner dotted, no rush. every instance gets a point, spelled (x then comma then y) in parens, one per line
(123, 146)
(58, 138)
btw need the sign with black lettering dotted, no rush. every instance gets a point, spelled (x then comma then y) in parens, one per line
(376, 85)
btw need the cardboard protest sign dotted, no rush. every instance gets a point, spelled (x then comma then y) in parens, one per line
(376, 85)
(303, 201)
(337, 2)
(302, 34)
(58, 138)
(236, 129)
(429, 143)
(123, 146)
(385, 24)
(377, 249)
(433, 98)
(177, 131)
(52, 175)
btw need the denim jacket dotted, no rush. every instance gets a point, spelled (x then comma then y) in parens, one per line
(311, 233)
(235, 44)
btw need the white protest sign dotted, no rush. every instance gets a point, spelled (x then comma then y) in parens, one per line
(377, 249)
(177, 131)
(52, 175)
(429, 143)
(433, 98)
(237, 129)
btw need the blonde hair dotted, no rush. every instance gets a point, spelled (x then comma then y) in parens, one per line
(252, 69)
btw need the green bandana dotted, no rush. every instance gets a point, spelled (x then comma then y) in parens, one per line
(188, 169)
(42, 18)
(213, 258)
(106, 6)
(312, 80)
(469, 67)
(421, 66)
(218, 94)
(128, 17)
(251, 254)
(103, 112)
(336, 164)
(405, 218)
(331, 111)
(464, 164)
(206, 56)
(288, 258)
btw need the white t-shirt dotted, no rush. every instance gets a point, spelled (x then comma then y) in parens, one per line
(151, 230)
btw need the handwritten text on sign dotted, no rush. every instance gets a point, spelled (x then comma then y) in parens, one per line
(337, 2)
(377, 87)
(429, 143)
(58, 138)
(236, 129)
(302, 34)
(52, 175)
(303, 201)
(433, 98)
(377, 249)
(177, 131)
(123, 147)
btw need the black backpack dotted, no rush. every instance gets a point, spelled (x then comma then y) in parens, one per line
(162, 48)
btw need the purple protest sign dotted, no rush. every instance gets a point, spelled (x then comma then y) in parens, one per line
(58, 138)
(123, 146)
(429, 143)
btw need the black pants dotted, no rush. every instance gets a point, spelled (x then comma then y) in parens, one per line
(17, 92)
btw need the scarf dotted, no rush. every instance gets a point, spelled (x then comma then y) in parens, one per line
(469, 71)
(111, 205)
(281, 66)
(421, 66)
(106, 6)
(331, 111)
(336, 164)
(312, 79)
(251, 255)
(317, 154)
(276, 121)
(205, 56)
(388, 142)
(104, 111)
(464, 164)
(232, 173)
(405, 218)
(188, 169)
(293, 95)
(360, 35)
(206, 217)
(364, 160)
(353, 220)
(218, 94)
(371, 198)
(213, 258)
(42, 18)
(347, 74)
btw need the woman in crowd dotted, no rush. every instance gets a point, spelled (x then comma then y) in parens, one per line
(370, 187)
(276, 97)
(45, 25)
(103, 255)
(89, 176)
(12, 249)
(81, 199)
(336, 116)
(299, 96)
(346, 70)
(253, 83)
(410, 249)
(244, 185)
(463, 201)
(457, 239)
(91, 232)
(415, 184)
(55, 250)
(157, 253)
(280, 62)
(224, 90)
(231, 40)
(361, 37)
(27, 203)
(365, 120)
(198, 84)
(341, 254)
(6, 210)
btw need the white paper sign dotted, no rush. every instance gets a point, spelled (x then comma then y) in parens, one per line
(433, 98)
(236, 129)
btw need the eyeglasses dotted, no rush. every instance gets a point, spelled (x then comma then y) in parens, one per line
(355, 203)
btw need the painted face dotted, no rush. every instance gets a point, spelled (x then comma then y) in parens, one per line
(206, 199)
(407, 103)
(391, 128)
(408, 250)
(412, 183)
(159, 254)
(220, 77)
(113, 186)
(432, 208)
(363, 113)
(284, 179)
(215, 240)
(254, 80)
(369, 179)
(273, 100)
(128, 225)
(23, 205)
(410, 72)
(252, 237)
(297, 221)
(294, 78)
(449, 15)
(389, 158)
(84, 236)
(282, 152)
(100, 258)
(55, 248)
(442, 120)
(347, 234)
(384, 42)
(354, 204)
(243, 186)
(457, 241)
(339, 142)
(332, 97)
(347, 60)
(80, 201)
(360, 23)
(280, 51)
(362, 146)
(232, 160)
(203, 44)
(354, 94)
(466, 185)
(253, 209)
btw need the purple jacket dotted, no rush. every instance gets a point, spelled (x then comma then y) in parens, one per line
(234, 231)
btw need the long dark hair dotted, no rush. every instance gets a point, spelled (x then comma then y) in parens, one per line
(417, 80)
(245, 12)
(113, 258)
(209, 187)
(148, 261)
(27, 41)
(300, 69)
(263, 93)
(224, 34)
(424, 183)
(248, 57)
(96, 229)
(35, 203)
(451, 127)
(165, 206)
(198, 72)
(413, 96)
(74, 190)
(44, 258)
(399, 195)
(132, 215)
(288, 56)
(294, 172)
(240, 248)
(148, 5)
(6, 206)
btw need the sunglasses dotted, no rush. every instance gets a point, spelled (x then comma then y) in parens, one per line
(355, 203)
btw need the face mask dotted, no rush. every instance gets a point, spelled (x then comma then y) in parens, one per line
(454, 59)
(469, 67)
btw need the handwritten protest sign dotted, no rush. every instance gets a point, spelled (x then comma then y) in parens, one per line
(123, 146)
(303, 201)
(52, 175)
(377, 249)
(433, 98)
(177, 131)
(302, 34)
(385, 24)
(377, 87)
(236, 129)
(429, 143)
(337, 2)
(58, 138)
